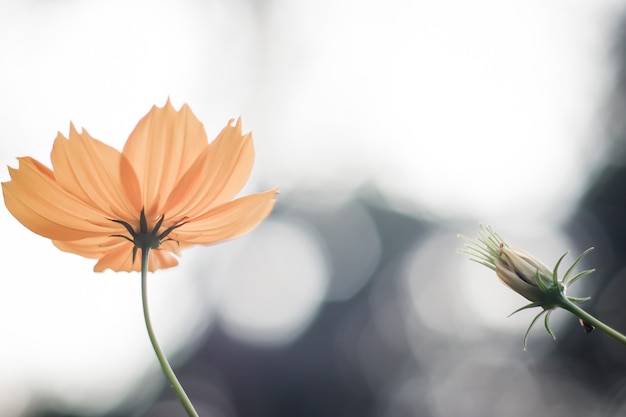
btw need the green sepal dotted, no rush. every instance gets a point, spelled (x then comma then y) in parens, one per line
(127, 227)
(555, 278)
(532, 323)
(580, 275)
(547, 325)
(169, 229)
(124, 237)
(527, 306)
(157, 226)
(143, 239)
(135, 253)
(578, 300)
(571, 268)
(143, 223)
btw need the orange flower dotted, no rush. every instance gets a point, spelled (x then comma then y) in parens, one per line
(169, 187)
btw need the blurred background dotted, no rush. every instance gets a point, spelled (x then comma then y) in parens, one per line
(389, 127)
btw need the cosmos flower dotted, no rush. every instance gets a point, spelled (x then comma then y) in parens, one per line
(168, 189)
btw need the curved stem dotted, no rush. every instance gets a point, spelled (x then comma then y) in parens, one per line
(167, 369)
(582, 314)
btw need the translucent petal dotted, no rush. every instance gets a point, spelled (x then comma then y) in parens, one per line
(121, 259)
(171, 246)
(228, 220)
(161, 259)
(161, 149)
(118, 259)
(90, 170)
(216, 177)
(36, 199)
(93, 247)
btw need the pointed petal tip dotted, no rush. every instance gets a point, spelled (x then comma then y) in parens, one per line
(236, 123)
(272, 193)
(61, 136)
(73, 129)
(169, 106)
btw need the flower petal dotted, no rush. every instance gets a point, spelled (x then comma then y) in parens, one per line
(161, 259)
(227, 220)
(161, 149)
(218, 174)
(172, 246)
(92, 247)
(37, 201)
(516, 283)
(90, 170)
(121, 259)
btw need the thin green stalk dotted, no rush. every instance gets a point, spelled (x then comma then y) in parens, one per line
(167, 369)
(582, 314)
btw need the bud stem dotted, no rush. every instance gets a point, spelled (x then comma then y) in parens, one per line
(167, 369)
(588, 318)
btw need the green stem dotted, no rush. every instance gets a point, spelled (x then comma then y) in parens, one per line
(167, 369)
(582, 314)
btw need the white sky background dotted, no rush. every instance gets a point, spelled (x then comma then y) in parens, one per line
(484, 109)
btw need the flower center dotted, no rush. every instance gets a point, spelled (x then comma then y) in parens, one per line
(144, 239)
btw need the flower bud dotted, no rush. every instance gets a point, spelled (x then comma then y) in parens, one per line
(520, 271)
(517, 269)
(526, 275)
